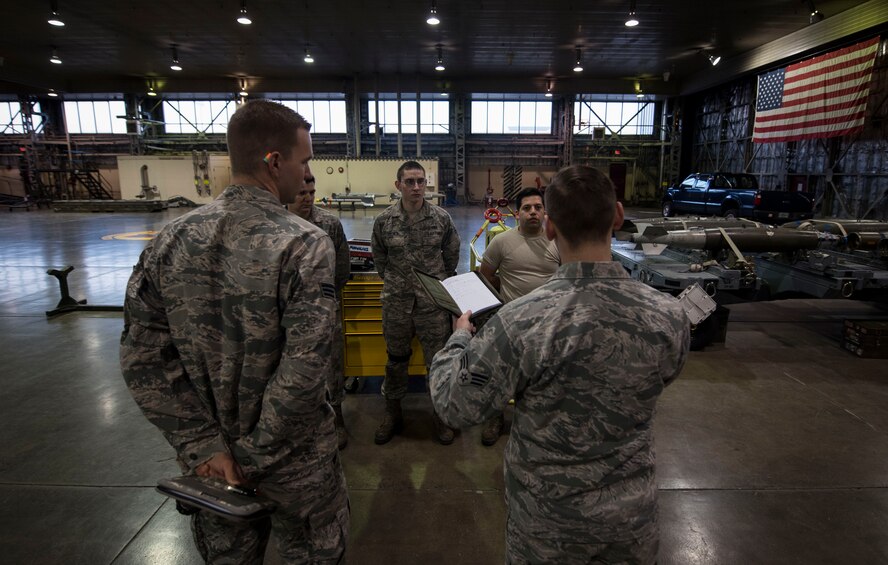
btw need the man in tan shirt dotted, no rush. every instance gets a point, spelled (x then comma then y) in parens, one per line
(517, 262)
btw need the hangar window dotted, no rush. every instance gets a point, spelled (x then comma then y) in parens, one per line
(434, 115)
(95, 116)
(511, 114)
(197, 116)
(12, 120)
(609, 116)
(324, 115)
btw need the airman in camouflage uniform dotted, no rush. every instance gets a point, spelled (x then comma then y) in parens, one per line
(585, 357)
(304, 207)
(411, 233)
(226, 347)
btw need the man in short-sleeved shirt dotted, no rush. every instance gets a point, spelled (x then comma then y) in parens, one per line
(516, 262)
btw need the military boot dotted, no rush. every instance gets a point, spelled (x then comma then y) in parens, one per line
(442, 431)
(392, 422)
(492, 430)
(341, 433)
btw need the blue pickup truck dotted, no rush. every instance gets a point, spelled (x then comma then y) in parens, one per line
(735, 195)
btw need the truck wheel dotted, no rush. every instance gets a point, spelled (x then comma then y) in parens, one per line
(668, 210)
(731, 213)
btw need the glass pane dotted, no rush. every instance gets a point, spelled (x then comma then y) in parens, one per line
(102, 112)
(72, 117)
(203, 116)
(479, 117)
(543, 117)
(305, 108)
(495, 123)
(220, 110)
(321, 123)
(87, 117)
(6, 113)
(442, 116)
(512, 117)
(338, 117)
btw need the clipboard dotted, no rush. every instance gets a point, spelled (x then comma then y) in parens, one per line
(216, 496)
(456, 294)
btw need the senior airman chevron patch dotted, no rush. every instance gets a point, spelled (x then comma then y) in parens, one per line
(328, 290)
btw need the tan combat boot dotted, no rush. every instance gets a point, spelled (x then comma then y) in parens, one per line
(341, 433)
(442, 431)
(392, 422)
(492, 430)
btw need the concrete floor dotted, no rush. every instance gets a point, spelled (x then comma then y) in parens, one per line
(771, 448)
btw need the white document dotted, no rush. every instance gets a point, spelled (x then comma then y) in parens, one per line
(470, 293)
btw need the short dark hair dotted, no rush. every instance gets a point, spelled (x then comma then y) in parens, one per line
(582, 202)
(524, 194)
(409, 165)
(258, 128)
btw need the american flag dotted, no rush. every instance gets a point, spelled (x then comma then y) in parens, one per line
(822, 97)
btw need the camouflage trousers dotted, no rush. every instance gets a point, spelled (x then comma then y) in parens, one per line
(432, 327)
(525, 549)
(311, 525)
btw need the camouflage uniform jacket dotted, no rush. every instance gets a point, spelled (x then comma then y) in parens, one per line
(585, 357)
(333, 227)
(430, 243)
(227, 327)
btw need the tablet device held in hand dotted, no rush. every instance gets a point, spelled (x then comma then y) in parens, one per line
(215, 495)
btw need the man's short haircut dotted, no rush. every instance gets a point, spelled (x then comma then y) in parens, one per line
(258, 128)
(582, 202)
(524, 194)
(409, 165)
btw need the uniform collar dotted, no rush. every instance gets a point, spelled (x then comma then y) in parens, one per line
(424, 211)
(249, 192)
(596, 270)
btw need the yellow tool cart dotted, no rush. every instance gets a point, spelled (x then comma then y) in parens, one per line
(365, 354)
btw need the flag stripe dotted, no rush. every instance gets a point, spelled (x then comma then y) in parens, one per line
(824, 96)
(863, 45)
(823, 121)
(818, 100)
(808, 133)
(825, 81)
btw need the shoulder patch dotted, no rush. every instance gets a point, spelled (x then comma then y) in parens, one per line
(328, 290)
(466, 377)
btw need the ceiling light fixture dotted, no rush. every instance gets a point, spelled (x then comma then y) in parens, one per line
(308, 58)
(578, 68)
(54, 18)
(548, 89)
(242, 17)
(243, 88)
(815, 14)
(55, 59)
(433, 19)
(440, 66)
(175, 64)
(632, 21)
(52, 93)
(444, 94)
(151, 92)
(714, 59)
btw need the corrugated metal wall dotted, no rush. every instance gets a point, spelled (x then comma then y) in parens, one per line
(848, 174)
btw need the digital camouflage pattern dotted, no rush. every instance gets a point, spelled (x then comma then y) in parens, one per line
(332, 226)
(228, 322)
(429, 243)
(585, 357)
